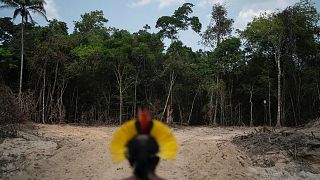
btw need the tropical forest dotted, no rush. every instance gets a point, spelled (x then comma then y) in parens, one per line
(239, 103)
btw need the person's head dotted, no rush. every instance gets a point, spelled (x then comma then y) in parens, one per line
(142, 155)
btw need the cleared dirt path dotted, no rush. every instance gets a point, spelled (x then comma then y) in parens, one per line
(73, 152)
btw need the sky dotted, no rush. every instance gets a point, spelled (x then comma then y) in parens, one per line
(132, 15)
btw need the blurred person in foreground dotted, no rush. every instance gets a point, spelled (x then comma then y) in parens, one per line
(143, 141)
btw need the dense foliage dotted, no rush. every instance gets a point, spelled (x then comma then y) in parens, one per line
(100, 73)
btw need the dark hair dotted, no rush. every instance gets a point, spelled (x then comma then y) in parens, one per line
(142, 157)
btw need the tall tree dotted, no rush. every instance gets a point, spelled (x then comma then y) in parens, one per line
(228, 58)
(48, 63)
(300, 30)
(170, 26)
(180, 20)
(23, 8)
(119, 54)
(267, 32)
(219, 28)
(90, 21)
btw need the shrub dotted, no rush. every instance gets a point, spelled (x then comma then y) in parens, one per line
(10, 115)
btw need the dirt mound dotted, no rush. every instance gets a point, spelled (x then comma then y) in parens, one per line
(313, 124)
(268, 149)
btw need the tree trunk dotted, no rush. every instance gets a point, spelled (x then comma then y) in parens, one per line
(172, 79)
(50, 107)
(180, 114)
(194, 98)
(135, 96)
(169, 115)
(60, 100)
(119, 75)
(121, 100)
(239, 116)
(277, 57)
(230, 103)
(216, 103)
(283, 100)
(76, 111)
(107, 99)
(293, 110)
(211, 107)
(43, 95)
(269, 99)
(21, 64)
(221, 107)
(251, 107)
(318, 90)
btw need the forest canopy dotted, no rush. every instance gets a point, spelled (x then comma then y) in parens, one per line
(266, 74)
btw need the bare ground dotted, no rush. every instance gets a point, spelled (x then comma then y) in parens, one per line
(75, 152)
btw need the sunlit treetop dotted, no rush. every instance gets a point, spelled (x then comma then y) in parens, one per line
(180, 20)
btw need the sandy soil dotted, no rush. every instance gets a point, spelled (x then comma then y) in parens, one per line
(73, 152)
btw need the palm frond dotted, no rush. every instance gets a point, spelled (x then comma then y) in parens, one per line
(41, 13)
(23, 7)
(16, 13)
(26, 15)
(31, 19)
(10, 3)
(37, 2)
(37, 8)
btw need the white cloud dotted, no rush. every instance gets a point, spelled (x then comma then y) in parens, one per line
(165, 3)
(209, 3)
(52, 12)
(161, 3)
(140, 3)
(254, 9)
(246, 15)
